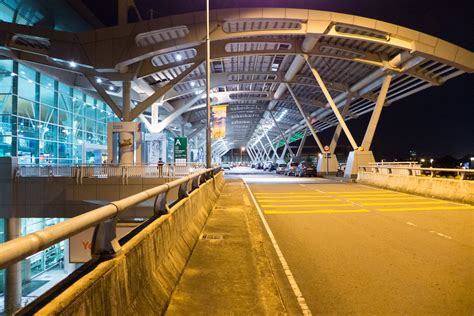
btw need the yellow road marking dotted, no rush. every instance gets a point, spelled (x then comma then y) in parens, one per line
(290, 200)
(316, 211)
(443, 208)
(404, 203)
(303, 205)
(387, 197)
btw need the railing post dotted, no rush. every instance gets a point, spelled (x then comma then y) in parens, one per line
(104, 242)
(160, 207)
(183, 190)
(196, 182)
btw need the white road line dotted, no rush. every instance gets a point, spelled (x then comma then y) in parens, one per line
(296, 290)
(302, 185)
(443, 235)
(411, 224)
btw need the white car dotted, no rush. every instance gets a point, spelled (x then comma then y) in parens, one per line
(226, 166)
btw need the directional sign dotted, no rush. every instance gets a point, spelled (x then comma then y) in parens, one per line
(180, 148)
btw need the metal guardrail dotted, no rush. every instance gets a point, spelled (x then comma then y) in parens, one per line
(415, 171)
(168, 170)
(104, 242)
(395, 163)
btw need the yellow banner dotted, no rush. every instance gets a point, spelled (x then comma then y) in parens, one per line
(219, 114)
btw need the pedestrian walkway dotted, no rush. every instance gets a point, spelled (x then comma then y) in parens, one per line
(229, 271)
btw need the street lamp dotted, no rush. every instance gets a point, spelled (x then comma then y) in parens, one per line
(431, 162)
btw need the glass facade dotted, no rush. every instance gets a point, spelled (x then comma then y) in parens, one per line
(44, 121)
(53, 14)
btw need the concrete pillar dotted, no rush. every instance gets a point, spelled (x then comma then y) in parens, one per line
(13, 272)
(357, 158)
(327, 164)
(300, 147)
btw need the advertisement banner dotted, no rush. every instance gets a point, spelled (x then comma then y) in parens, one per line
(219, 114)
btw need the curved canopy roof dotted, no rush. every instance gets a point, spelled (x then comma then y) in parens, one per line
(256, 54)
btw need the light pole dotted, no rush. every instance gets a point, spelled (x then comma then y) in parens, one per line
(208, 88)
(431, 162)
(242, 149)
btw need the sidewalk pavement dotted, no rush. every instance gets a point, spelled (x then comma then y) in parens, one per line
(231, 270)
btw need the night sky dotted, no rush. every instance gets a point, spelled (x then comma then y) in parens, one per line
(435, 122)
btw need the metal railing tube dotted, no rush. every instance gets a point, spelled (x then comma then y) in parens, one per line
(20, 248)
(15, 250)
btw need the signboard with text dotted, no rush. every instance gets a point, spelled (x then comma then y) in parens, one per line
(180, 148)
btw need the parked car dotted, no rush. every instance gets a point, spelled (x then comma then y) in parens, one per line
(291, 168)
(280, 169)
(305, 169)
(259, 165)
(269, 166)
(226, 166)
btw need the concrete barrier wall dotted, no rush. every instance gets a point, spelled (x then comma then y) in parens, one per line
(140, 280)
(446, 189)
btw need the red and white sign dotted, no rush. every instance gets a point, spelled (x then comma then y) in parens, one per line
(326, 148)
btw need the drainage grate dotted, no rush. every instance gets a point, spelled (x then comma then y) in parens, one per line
(212, 237)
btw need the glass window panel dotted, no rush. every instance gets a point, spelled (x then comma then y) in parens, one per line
(90, 125)
(64, 134)
(64, 150)
(28, 128)
(65, 102)
(48, 114)
(78, 123)
(65, 118)
(91, 111)
(48, 150)
(6, 14)
(6, 124)
(101, 112)
(5, 146)
(27, 109)
(26, 72)
(49, 132)
(78, 106)
(28, 148)
(5, 104)
(47, 90)
(64, 89)
(6, 83)
(27, 89)
(101, 129)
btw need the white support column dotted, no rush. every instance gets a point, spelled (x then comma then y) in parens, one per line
(365, 156)
(374, 119)
(281, 134)
(337, 132)
(308, 123)
(264, 150)
(259, 153)
(303, 141)
(271, 145)
(155, 112)
(13, 272)
(332, 104)
(250, 153)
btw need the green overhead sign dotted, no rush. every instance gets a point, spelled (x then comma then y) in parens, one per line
(180, 148)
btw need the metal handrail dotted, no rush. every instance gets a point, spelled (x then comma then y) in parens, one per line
(416, 171)
(103, 218)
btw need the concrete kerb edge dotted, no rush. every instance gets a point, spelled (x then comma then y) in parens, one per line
(91, 280)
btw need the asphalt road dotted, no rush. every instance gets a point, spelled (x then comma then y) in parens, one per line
(354, 249)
